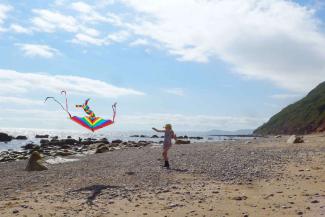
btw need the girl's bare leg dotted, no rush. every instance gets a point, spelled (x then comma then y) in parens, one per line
(165, 155)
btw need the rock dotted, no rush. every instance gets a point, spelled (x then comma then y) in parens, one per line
(34, 163)
(5, 137)
(295, 139)
(42, 136)
(63, 153)
(195, 137)
(117, 141)
(315, 201)
(69, 141)
(278, 136)
(44, 141)
(240, 198)
(103, 140)
(21, 138)
(101, 148)
(180, 142)
(29, 146)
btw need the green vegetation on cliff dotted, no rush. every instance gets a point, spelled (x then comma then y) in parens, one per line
(303, 117)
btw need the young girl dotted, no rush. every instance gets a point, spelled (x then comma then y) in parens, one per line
(169, 135)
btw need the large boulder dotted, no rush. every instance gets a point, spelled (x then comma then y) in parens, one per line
(34, 162)
(5, 137)
(181, 142)
(21, 138)
(295, 139)
(101, 148)
(118, 141)
(42, 136)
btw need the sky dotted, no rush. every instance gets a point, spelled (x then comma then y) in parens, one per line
(197, 64)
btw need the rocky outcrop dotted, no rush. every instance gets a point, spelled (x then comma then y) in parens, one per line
(5, 137)
(303, 117)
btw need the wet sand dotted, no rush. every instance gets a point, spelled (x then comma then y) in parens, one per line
(265, 177)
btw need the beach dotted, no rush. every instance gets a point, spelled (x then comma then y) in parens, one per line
(257, 177)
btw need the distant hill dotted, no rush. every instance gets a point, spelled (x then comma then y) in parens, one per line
(237, 132)
(303, 117)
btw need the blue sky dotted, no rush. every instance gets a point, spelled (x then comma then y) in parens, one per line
(199, 65)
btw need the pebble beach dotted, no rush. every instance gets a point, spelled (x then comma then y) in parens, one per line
(260, 177)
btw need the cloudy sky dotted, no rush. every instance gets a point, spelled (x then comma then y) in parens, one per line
(198, 64)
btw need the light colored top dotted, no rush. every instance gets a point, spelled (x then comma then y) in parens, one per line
(169, 135)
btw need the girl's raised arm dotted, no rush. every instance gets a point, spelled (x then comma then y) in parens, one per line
(159, 131)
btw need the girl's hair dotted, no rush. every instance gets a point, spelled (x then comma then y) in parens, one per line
(169, 126)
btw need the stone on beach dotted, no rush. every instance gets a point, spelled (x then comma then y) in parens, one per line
(181, 142)
(34, 163)
(101, 148)
(295, 139)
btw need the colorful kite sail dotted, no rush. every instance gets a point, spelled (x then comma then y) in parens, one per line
(91, 122)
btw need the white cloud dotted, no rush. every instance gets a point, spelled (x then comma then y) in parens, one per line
(285, 96)
(19, 100)
(49, 21)
(88, 12)
(20, 29)
(25, 82)
(81, 7)
(191, 122)
(175, 91)
(87, 39)
(4, 9)
(139, 42)
(276, 40)
(118, 36)
(38, 50)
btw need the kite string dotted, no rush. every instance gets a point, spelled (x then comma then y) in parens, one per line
(66, 102)
(56, 102)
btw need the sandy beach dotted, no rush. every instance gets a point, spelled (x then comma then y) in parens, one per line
(262, 177)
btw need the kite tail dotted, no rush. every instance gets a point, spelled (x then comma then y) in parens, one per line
(114, 111)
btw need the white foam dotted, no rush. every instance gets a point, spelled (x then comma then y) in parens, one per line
(59, 160)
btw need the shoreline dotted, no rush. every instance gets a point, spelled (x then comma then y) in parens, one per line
(266, 177)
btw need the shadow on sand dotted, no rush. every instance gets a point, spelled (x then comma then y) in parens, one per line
(178, 170)
(95, 190)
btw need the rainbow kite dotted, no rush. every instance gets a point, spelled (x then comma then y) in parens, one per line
(91, 122)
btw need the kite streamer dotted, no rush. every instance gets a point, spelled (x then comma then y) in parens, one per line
(91, 122)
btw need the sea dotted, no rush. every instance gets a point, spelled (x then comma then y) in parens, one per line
(110, 135)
